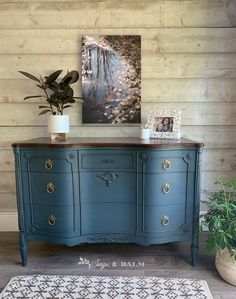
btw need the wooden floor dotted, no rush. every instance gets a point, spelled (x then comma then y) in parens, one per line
(111, 259)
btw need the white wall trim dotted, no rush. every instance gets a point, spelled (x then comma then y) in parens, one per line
(8, 221)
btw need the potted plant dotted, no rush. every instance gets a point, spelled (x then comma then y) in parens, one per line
(58, 95)
(220, 220)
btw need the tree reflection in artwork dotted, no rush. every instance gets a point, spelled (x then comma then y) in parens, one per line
(111, 79)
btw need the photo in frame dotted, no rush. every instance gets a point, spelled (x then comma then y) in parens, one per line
(164, 124)
(111, 79)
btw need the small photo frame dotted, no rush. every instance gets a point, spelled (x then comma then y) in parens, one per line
(164, 124)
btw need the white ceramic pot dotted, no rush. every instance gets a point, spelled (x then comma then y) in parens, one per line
(226, 266)
(144, 133)
(58, 124)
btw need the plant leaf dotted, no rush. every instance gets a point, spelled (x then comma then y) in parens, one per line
(44, 107)
(67, 106)
(74, 75)
(51, 78)
(44, 111)
(32, 77)
(31, 97)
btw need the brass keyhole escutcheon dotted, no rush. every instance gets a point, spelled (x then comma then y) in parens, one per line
(166, 164)
(50, 188)
(165, 188)
(52, 220)
(48, 164)
(165, 220)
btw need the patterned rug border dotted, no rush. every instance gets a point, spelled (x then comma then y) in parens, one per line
(207, 293)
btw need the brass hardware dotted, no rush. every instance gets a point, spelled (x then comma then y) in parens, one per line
(165, 188)
(52, 219)
(50, 188)
(165, 220)
(48, 164)
(166, 164)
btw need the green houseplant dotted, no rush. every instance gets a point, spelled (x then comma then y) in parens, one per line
(58, 95)
(220, 220)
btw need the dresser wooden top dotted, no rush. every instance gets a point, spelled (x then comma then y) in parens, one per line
(108, 142)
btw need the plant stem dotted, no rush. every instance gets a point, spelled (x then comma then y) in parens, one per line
(46, 95)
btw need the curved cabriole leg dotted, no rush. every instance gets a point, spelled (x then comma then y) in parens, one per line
(23, 250)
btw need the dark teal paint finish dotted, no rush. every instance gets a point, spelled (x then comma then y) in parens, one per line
(95, 189)
(108, 218)
(107, 195)
(62, 160)
(103, 159)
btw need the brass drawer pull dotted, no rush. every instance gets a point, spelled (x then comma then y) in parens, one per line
(165, 188)
(50, 188)
(165, 220)
(166, 164)
(48, 164)
(52, 219)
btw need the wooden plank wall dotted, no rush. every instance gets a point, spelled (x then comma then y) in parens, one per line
(188, 62)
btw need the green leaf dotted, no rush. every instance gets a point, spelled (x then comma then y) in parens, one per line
(32, 77)
(44, 111)
(66, 82)
(51, 78)
(31, 97)
(44, 107)
(73, 75)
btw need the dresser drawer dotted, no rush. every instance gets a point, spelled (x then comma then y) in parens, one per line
(107, 159)
(158, 161)
(166, 188)
(51, 188)
(165, 219)
(105, 218)
(50, 219)
(107, 186)
(49, 160)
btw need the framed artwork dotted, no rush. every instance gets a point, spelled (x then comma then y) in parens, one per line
(164, 124)
(111, 79)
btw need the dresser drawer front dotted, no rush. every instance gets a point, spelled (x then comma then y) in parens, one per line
(48, 219)
(107, 159)
(166, 188)
(106, 218)
(166, 161)
(163, 219)
(51, 188)
(108, 186)
(49, 160)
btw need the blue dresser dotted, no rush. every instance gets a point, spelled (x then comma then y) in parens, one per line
(108, 190)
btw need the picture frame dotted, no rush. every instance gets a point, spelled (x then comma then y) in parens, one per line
(164, 124)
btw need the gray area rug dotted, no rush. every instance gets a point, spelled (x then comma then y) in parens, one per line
(101, 287)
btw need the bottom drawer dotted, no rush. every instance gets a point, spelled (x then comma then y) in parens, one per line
(161, 219)
(50, 219)
(108, 218)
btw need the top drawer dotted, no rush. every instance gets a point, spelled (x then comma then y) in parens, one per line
(107, 159)
(160, 161)
(49, 160)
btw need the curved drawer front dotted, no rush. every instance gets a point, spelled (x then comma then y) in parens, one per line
(108, 186)
(166, 161)
(107, 159)
(108, 218)
(51, 219)
(166, 188)
(52, 188)
(49, 160)
(165, 219)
